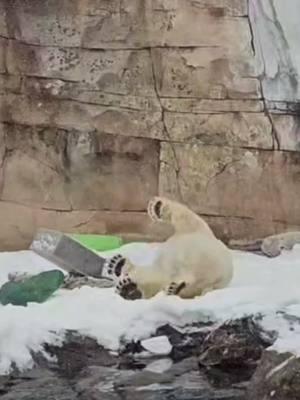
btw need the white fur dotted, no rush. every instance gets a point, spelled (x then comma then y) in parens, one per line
(192, 255)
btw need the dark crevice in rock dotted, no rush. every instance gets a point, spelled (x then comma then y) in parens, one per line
(221, 170)
(275, 138)
(274, 133)
(6, 154)
(251, 30)
(213, 112)
(93, 49)
(165, 129)
(137, 211)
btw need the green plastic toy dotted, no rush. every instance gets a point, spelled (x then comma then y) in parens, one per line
(37, 288)
(98, 242)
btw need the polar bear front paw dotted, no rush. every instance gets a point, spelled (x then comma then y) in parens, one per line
(174, 288)
(158, 210)
(128, 289)
(113, 267)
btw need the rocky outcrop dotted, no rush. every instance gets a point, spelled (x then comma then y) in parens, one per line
(104, 104)
(226, 362)
(276, 378)
(81, 369)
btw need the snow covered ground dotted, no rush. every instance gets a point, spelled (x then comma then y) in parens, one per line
(259, 285)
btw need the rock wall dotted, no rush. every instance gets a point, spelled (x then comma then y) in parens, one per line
(105, 103)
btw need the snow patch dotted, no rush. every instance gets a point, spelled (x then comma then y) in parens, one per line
(259, 285)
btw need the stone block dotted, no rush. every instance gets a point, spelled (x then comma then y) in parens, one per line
(205, 106)
(133, 23)
(228, 8)
(69, 115)
(231, 229)
(3, 45)
(179, 24)
(233, 182)
(9, 83)
(86, 93)
(121, 72)
(19, 224)
(61, 170)
(2, 156)
(209, 73)
(287, 128)
(34, 170)
(276, 32)
(252, 130)
(3, 20)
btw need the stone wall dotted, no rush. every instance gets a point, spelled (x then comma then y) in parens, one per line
(105, 103)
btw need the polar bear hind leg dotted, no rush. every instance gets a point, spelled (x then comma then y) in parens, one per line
(178, 215)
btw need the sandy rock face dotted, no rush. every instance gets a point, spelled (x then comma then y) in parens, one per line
(104, 104)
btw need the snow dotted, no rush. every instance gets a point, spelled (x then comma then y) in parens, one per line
(260, 285)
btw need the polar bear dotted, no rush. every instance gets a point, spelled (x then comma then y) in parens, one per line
(190, 263)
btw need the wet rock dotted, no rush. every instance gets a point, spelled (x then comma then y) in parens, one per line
(160, 365)
(37, 384)
(98, 382)
(276, 378)
(230, 353)
(205, 362)
(181, 381)
(185, 343)
(76, 354)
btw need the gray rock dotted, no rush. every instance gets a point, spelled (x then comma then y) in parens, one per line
(230, 353)
(75, 355)
(38, 384)
(210, 363)
(276, 378)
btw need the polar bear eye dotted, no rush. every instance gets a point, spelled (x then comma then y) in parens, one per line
(157, 209)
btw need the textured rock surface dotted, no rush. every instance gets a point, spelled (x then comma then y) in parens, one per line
(106, 103)
(223, 362)
(277, 378)
(82, 369)
(218, 362)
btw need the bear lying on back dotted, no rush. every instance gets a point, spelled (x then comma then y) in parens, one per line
(191, 262)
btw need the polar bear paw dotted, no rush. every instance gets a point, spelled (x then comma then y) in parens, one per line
(159, 210)
(174, 288)
(113, 267)
(128, 289)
